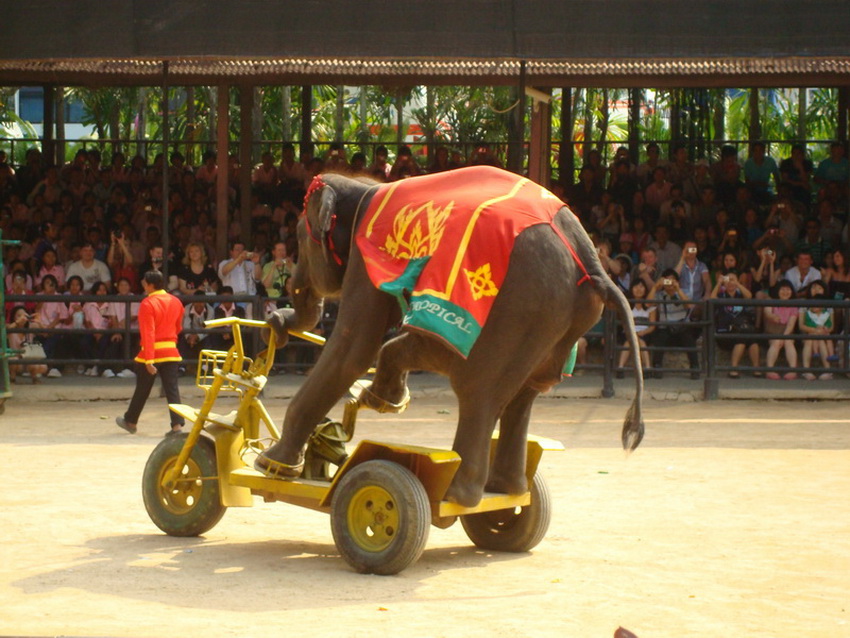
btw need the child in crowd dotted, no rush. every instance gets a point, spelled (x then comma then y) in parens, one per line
(816, 321)
(781, 320)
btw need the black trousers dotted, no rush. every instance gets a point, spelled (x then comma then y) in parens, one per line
(681, 338)
(168, 371)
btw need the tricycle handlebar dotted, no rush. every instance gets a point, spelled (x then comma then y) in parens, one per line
(253, 323)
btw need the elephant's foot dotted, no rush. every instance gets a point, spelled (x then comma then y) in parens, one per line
(390, 402)
(513, 484)
(464, 493)
(273, 463)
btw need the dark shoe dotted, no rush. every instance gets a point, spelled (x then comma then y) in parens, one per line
(619, 374)
(121, 423)
(175, 429)
(695, 375)
(734, 375)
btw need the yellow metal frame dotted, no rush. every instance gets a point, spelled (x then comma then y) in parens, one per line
(232, 371)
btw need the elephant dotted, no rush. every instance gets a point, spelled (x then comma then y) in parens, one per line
(553, 290)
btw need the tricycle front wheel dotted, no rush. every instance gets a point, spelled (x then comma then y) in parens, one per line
(512, 530)
(380, 517)
(192, 505)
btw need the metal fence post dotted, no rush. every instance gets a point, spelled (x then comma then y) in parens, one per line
(609, 332)
(711, 385)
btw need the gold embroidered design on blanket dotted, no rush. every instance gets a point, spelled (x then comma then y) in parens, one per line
(417, 231)
(481, 282)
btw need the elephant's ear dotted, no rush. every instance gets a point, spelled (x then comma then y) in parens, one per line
(327, 210)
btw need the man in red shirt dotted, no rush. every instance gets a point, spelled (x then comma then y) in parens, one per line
(160, 323)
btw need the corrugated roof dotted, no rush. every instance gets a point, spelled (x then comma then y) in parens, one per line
(352, 70)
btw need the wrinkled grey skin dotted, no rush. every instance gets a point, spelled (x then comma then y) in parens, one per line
(538, 315)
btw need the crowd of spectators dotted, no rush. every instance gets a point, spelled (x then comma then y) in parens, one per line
(95, 227)
(732, 229)
(666, 230)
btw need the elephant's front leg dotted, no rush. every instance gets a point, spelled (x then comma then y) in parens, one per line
(407, 351)
(348, 353)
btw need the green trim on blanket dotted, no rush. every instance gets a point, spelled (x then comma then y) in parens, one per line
(451, 322)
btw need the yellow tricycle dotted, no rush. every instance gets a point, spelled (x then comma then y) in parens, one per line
(382, 497)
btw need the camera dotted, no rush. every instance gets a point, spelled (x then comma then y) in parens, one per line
(773, 231)
(724, 278)
(250, 255)
(692, 249)
(118, 234)
(667, 282)
(769, 253)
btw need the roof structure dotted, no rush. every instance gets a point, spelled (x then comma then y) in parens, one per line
(619, 43)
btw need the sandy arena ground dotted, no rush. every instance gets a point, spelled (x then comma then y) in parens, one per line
(731, 520)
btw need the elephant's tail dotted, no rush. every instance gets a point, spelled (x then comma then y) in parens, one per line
(614, 298)
(585, 253)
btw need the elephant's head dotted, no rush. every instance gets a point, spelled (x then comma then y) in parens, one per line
(324, 243)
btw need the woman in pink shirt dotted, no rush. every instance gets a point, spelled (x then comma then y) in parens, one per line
(96, 316)
(781, 320)
(49, 266)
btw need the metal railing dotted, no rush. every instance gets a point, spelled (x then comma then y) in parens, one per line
(302, 354)
(705, 342)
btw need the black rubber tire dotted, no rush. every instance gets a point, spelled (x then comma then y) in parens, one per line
(189, 509)
(380, 517)
(512, 530)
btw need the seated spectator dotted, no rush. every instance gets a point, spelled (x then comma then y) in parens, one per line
(588, 201)
(667, 252)
(404, 166)
(611, 265)
(726, 174)
(728, 262)
(118, 319)
(223, 340)
(611, 223)
(20, 319)
(276, 273)
(676, 331)
(759, 170)
(18, 267)
(764, 278)
(195, 316)
(796, 172)
(50, 267)
(817, 321)
(657, 192)
(781, 320)
(89, 269)
(837, 276)
(693, 274)
(380, 168)
(835, 168)
(647, 270)
(676, 213)
(812, 243)
(119, 258)
(18, 288)
(803, 273)
(52, 315)
(101, 345)
(643, 315)
(646, 172)
(737, 320)
(196, 272)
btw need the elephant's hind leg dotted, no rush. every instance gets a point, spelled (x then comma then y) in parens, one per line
(507, 474)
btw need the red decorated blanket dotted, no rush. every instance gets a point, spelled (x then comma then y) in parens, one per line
(445, 240)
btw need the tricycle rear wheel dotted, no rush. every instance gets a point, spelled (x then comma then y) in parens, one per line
(380, 517)
(192, 505)
(512, 530)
